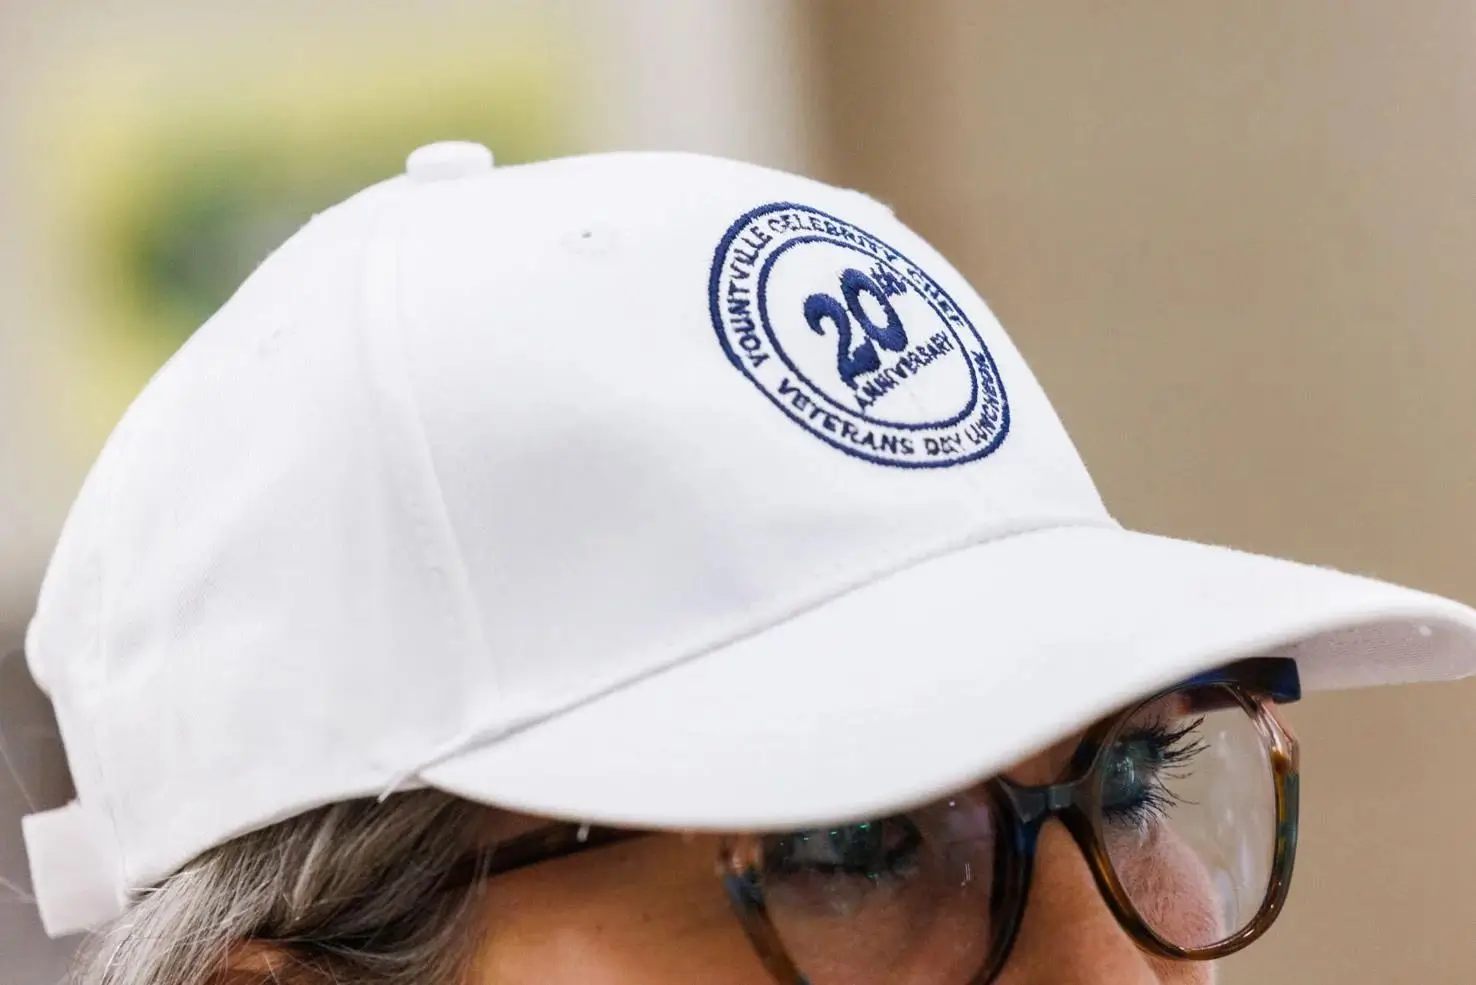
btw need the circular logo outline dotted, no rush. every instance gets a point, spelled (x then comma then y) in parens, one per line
(832, 230)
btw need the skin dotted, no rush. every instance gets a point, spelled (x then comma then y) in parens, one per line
(651, 912)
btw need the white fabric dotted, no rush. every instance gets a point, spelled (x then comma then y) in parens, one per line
(1000, 648)
(72, 856)
(463, 488)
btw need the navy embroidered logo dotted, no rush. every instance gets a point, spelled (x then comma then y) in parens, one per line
(854, 341)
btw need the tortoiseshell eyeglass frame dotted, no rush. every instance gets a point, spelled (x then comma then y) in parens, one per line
(1257, 686)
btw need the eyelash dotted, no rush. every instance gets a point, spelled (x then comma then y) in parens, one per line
(1175, 748)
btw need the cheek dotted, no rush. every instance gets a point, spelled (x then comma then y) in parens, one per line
(1171, 889)
(930, 926)
(1184, 972)
(649, 913)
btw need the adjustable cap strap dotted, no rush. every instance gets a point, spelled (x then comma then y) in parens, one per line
(76, 873)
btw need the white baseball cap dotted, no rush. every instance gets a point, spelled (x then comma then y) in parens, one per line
(642, 489)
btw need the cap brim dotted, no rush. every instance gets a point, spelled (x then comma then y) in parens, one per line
(935, 677)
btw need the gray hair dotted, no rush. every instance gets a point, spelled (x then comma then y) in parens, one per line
(351, 894)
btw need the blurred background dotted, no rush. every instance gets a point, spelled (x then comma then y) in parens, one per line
(1235, 241)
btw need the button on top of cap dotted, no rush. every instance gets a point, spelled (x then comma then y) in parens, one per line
(448, 160)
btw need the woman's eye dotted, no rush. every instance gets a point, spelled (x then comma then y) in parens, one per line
(1143, 767)
(871, 850)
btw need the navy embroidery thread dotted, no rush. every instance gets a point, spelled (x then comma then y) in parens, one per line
(853, 341)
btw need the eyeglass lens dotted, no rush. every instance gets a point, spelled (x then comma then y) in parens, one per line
(1188, 815)
(1187, 818)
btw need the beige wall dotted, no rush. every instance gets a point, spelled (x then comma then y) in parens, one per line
(1238, 244)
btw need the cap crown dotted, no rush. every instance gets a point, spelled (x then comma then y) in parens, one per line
(466, 452)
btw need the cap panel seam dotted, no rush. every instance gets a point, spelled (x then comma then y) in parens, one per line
(440, 548)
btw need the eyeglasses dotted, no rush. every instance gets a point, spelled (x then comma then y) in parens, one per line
(1184, 806)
